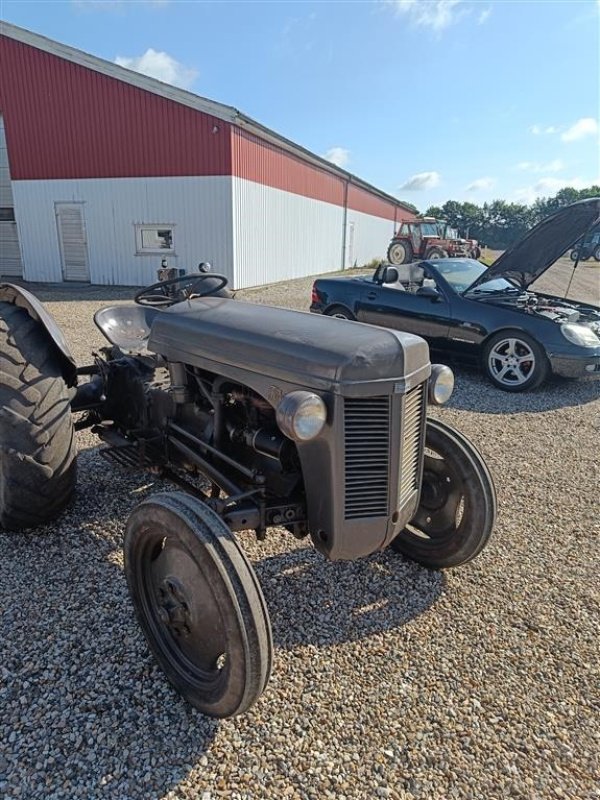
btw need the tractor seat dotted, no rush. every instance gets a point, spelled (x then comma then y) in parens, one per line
(127, 327)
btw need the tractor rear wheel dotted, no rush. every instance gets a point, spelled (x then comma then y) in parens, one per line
(37, 444)
(400, 252)
(199, 603)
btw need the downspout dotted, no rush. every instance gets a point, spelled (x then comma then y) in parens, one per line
(345, 223)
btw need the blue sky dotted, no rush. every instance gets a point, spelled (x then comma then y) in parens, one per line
(429, 100)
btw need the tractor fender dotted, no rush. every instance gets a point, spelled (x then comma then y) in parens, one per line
(9, 293)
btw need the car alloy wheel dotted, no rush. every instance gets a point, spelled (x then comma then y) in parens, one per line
(511, 362)
(340, 313)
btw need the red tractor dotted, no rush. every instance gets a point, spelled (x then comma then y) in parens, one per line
(472, 245)
(425, 239)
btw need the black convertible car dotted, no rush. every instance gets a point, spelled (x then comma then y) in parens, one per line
(485, 315)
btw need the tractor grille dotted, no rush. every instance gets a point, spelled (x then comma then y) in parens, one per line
(367, 456)
(410, 448)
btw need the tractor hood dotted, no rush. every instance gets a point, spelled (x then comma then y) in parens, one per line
(532, 255)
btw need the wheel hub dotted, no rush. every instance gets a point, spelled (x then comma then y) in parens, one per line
(434, 493)
(172, 607)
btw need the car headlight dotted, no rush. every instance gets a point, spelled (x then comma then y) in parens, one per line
(579, 334)
(441, 384)
(301, 415)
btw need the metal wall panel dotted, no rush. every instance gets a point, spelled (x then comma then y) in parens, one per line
(280, 235)
(264, 163)
(199, 208)
(90, 125)
(367, 238)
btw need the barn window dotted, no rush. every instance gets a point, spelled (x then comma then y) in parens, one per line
(7, 214)
(152, 239)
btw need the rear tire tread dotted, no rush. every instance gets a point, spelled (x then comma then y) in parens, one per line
(37, 443)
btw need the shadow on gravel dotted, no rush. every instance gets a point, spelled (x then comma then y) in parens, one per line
(473, 392)
(75, 292)
(314, 601)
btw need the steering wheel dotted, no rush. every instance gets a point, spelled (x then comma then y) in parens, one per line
(167, 293)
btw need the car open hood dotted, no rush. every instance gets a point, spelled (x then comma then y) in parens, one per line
(531, 256)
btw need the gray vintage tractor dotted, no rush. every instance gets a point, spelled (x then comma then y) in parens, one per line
(262, 417)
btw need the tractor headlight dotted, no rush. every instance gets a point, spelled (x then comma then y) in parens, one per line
(579, 334)
(441, 384)
(301, 416)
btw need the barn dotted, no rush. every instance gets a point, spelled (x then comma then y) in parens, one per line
(105, 172)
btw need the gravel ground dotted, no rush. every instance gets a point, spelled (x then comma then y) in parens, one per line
(390, 680)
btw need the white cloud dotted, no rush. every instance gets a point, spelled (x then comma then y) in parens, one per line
(552, 185)
(535, 166)
(547, 187)
(480, 183)
(338, 156)
(160, 65)
(421, 181)
(539, 130)
(484, 15)
(435, 14)
(586, 126)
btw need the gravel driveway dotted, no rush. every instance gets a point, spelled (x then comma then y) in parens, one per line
(390, 680)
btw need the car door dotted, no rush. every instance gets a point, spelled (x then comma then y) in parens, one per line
(428, 317)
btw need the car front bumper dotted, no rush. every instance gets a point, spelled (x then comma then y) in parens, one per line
(580, 365)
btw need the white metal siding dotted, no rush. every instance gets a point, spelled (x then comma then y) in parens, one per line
(367, 238)
(10, 254)
(200, 208)
(279, 235)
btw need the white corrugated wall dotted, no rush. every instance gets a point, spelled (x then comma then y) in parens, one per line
(279, 235)
(199, 208)
(367, 237)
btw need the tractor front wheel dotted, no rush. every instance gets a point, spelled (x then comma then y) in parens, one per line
(37, 444)
(435, 252)
(457, 509)
(199, 603)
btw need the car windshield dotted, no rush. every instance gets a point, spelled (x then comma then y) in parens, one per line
(461, 273)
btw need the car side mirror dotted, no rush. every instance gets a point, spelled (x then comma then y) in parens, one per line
(430, 291)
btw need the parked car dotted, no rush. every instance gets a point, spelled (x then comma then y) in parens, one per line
(485, 316)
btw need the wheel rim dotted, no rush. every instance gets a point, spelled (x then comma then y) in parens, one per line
(511, 362)
(182, 613)
(339, 315)
(434, 255)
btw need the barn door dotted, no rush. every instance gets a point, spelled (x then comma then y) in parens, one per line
(72, 241)
(10, 253)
